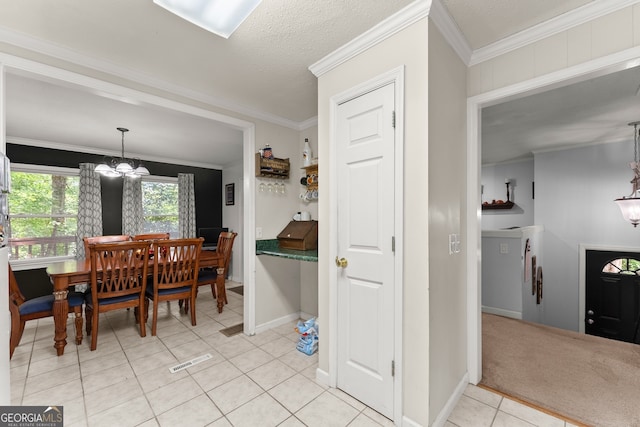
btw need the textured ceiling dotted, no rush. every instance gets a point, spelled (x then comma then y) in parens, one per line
(260, 71)
(486, 21)
(590, 112)
(263, 65)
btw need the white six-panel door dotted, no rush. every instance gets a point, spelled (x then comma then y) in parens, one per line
(365, 294)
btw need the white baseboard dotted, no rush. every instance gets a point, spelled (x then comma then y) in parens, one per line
(408, 422)
(502, 312)
(448, 408)
(306, 316)
(322, 377)
(277, 322)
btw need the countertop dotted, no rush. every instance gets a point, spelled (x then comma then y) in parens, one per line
(272, 247)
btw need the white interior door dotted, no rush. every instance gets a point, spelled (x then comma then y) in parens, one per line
(365, 294)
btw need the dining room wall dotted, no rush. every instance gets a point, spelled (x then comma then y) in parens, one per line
(207, 187)
(207, 183)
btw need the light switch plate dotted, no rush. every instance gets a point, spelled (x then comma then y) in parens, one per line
(258, 232)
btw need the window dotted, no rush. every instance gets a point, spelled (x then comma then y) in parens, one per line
(623, 266)
(43, 209)
(160, 205)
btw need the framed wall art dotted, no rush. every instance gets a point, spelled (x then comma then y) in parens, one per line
(229, 194)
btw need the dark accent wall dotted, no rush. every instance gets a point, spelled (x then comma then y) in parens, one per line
(207, 187)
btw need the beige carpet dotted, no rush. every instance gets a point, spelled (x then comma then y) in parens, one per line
(590, 379)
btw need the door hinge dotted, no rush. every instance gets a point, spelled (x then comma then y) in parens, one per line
(393, 368)
(393, 244)
(393, 119)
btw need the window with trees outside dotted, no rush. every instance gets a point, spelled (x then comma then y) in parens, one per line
(160, 205)
(43, 210)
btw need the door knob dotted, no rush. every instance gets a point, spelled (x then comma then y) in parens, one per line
(341, 262)
(590, 312)
(590, 321)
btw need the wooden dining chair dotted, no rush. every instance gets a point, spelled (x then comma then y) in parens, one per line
(150, 236)
(118, 280)
(209, 276)
(175, 275)
(23, 309)
(104, 239)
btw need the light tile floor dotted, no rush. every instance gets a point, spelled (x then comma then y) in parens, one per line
(248, 381)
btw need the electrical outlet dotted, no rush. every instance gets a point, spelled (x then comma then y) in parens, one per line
(454, 244)
(504, 248)
(258, 232)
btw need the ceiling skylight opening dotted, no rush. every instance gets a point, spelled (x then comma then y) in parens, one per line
(221, 17)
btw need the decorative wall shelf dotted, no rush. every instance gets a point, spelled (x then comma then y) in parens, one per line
(504, 205)
(312, 171)
(272, 168)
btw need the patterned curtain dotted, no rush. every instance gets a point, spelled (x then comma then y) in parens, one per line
(186, 206)
(132, 217)
(89, 206)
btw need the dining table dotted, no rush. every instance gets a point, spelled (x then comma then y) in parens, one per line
(64, 274)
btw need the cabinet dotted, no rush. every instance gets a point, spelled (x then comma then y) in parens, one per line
(272, 168)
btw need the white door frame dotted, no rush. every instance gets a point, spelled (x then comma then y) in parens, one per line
(588, 70)
(11, 62)
(395, 76)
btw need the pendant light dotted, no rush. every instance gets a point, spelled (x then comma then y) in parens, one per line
(630, 205)
(121, 166)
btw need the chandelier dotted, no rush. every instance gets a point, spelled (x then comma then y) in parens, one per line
(121, 166)
(630, 205)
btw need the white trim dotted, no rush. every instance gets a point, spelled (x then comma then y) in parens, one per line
(248, 129)
(395, 23)
(408, 422)
(277, 322)
(33, 263)
(448, 407)
(322, 377)
(582, 264)
(396, 77)
(450, 31)
(573, 18)
(249, 229)
(502, 312)
(62, 53)
(53, 170)
(601, 66)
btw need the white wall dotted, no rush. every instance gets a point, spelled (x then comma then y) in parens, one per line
(492, 180)
(232, 218)
(408, 48)
(575, 190)
(447, 177)
(309, 270)
(277, 280)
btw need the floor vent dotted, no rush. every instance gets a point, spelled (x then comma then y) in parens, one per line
(189, 363)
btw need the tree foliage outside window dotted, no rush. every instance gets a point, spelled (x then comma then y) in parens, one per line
(628, 266)
(43, 208)
(160, 207)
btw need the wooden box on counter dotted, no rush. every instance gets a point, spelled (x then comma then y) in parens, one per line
(300, 235)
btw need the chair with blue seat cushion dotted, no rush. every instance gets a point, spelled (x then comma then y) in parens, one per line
(175, 274)
(118, 280)
(23, 309)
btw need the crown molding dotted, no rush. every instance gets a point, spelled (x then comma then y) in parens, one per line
(450, 31)
(412, 13)
(68, 55)
(581, 15)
